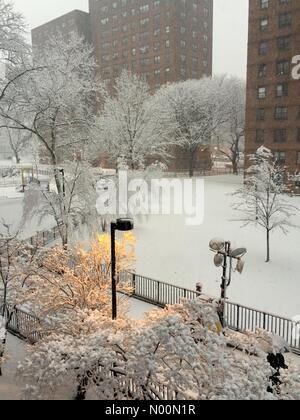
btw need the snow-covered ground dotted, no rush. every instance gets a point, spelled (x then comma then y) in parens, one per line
(138, 309)
(10, 384)
(172, 252)
(9, 193)
(11, 211)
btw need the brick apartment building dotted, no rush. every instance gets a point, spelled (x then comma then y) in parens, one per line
(75, 21)
(164, 41)
(273, 96)
(160, 40)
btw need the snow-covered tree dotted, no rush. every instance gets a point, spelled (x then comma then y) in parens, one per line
(12, 30)
(73, 208)
(69, 286)
(230, 136)
(261, 200)
(128, 127)
(55, 103)
(16, 261)
(17, 141)
(192, 111)
(177, 353)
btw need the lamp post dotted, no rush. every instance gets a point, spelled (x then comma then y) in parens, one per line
(224, 254)
(64, 215)
(122, 225)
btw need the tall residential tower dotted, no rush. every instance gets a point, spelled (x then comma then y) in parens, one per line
(273, 95)
(161, 40)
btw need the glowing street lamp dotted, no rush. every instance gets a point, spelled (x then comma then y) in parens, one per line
(122, 225)
(225, 253)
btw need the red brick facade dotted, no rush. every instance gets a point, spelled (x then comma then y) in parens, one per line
(75, 21)
(273, 96)
(164, 41)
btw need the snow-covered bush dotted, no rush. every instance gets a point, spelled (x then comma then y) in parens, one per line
(178, 353)
(69, 286)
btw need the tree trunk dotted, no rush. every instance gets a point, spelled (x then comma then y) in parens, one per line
(268, 246)
(18, 159)
(235, 167)
(191, 164)
(2, 349)
(3, 324)
(57, 177)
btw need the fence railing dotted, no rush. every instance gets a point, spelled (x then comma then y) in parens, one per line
(44, 237)
(241, 318)
(201, 172)
(23, 324)
(238, 317)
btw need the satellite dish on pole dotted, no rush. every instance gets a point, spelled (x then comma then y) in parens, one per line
(217, 245)
(238, 252)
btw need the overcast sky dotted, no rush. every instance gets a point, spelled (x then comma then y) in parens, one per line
(230, 28)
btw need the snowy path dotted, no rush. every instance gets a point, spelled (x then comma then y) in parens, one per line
(10, 385)
(138, 309)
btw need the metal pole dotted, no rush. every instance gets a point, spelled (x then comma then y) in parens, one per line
(62, 171)
(224, 283)
(113, 270)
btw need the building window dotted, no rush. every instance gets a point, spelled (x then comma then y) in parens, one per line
(281, 113)
(280, 157)
(283, 43)
(261, 92)
(262, 70)
(282, 68)
(280, 135)
(263, 48)
(260, 136)
(263, 24)
(264, 4)
(260, 114)
(282, 89)
(285, 19)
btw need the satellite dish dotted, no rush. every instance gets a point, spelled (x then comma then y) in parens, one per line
(217, 245)
(219, 260)
(240, 266)
(238, 252)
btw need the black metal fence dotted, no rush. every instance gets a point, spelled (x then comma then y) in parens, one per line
(216, 171)
(157, 292)
(23, 324)
(239, 318)
(45, 237)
